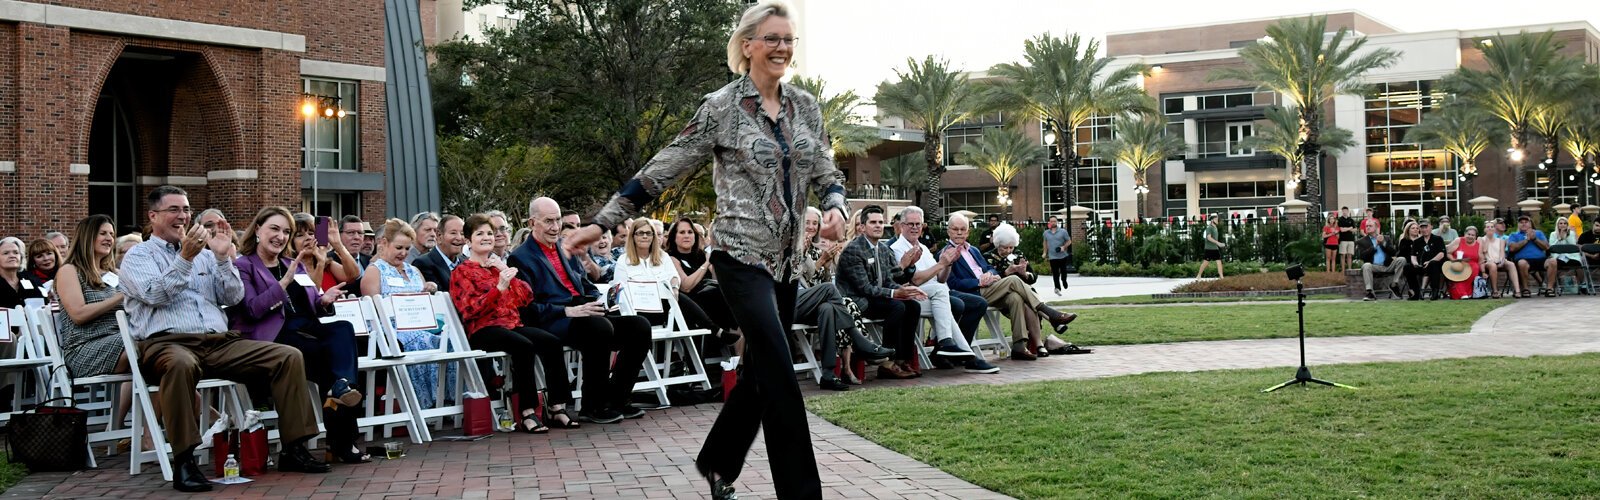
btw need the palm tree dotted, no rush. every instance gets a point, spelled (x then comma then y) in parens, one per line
(1140, 143)
(1064, 82)
(1463, 130)
(905, 174)
(931, 96)
(850, 137)
(1526, 74)
(1581, 136)
(1293, 60)
(1002, 153)
(1280, 136)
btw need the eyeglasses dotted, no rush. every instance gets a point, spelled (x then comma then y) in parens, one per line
(644, 233)
(177, 210)
(503, 230)
(772, 40)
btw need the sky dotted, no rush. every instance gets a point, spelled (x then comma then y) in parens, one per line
(855, 44)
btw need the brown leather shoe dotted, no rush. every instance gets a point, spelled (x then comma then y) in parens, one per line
(893, 372)
(906, 367)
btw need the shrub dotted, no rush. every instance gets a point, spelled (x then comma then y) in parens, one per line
(1261, 281)
(1179, 270)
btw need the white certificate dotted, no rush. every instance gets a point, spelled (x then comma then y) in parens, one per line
(644, 296)
(413, 311)
(5, 327)
(349, 311)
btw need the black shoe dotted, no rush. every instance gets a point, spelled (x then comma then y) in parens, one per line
(942, 363)
(1058, 319)
(832, 383)
(187, 476)
(721, 489)
(868, 349)
(630, 411)
(605, 416)
(1369, 297)
(1022, 355)
(947, 348)
(297, 459)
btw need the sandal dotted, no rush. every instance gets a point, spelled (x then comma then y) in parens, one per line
(1526, 293)
(536, 427)
(562, 418)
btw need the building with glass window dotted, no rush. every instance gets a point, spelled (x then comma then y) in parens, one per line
(1386, 170)
(108, 99)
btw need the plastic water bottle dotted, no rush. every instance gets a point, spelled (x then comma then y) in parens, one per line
(230, 468)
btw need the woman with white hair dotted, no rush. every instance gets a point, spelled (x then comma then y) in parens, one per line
(1007, 262)
(767, 144)
(15, 289)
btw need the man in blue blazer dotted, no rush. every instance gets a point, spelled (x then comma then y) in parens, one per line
(565, 304)
(971, 273)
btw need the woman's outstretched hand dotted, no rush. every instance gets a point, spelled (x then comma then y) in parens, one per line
(832, 225)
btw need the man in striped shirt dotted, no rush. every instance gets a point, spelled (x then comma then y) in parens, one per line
(175, 286)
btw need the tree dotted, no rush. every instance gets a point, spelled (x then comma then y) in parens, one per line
(1526, 75)
(905, 175)
(1581, 136)
(931, 96)
(476, 177)
(1002, 153)
(1280, 136)
(1294, 61)
(607, 83)
(1065, 82)
(1461, 129)
(1140, 142)
(850, 137)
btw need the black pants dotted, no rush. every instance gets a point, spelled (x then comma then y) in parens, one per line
(767, 395)
(694, 316)
(900, 319)
(710, 301)
(524, 345)
(596, 337)
(329, 351)
(1434, 271)
(1058, 272)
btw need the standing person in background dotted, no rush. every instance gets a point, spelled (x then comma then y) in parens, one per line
(1347, 236)
(986, 242)
(1214, 246)
(1444, 231)
(426, 226)
(768, 144)
(1056, 243)
(1370, 219)
(1330, 243)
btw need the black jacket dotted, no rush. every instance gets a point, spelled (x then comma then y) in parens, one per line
(434, 268)
(1367, 249)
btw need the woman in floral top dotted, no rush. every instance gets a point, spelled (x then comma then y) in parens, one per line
(838, 318)
(488, 295)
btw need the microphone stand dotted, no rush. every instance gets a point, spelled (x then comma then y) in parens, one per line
(1303, 376)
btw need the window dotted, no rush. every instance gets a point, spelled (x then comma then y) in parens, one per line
(966, 131)
(980, 201)
(1224, 101)
(333, 204)
(1172, 105)
(332, 143)
(1400, 171)
(1177, 192)
(1096, 180)
(1235, 190)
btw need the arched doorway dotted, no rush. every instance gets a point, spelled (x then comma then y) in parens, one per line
(113, 161)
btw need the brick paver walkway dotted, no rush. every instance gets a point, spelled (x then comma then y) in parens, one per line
(653, 457)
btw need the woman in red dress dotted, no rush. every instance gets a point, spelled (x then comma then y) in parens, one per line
(1466, 249)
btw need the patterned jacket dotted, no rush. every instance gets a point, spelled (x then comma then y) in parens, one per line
(760, 168)
(867, 270)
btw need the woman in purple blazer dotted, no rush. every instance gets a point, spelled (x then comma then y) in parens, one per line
(282, 303)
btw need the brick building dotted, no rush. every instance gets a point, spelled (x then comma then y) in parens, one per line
(105, 99)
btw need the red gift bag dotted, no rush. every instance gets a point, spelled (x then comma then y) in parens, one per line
(223, 444)
(252, 453)
(479, 416)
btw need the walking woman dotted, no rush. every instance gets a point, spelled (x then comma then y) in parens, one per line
(768, 146)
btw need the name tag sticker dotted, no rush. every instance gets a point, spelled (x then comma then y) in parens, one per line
(396, 282)
(304, 280)
(872, 261)
(110, 279)
(27, 285)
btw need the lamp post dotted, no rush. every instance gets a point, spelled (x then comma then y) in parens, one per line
(1050, 138)
(313, 107)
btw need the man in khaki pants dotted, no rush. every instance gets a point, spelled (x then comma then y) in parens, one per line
(175, 286)
(970, 273)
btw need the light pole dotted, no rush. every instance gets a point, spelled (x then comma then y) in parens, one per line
(312, 107)
(1050, 138)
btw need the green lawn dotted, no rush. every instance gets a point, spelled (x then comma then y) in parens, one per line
(1146, 299)
(1476, 428)
(10, 473)
(1148, 325)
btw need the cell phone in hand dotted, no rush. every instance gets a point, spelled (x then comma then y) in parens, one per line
(322, 231)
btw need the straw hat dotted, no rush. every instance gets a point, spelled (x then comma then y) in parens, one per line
(1457, 271)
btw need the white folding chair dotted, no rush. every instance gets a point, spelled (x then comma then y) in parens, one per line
(233, 396)
(676, 342)
(453, 349)
(383, 359)
(26, 361)
(801, 336)
(101, 396)
(997, 339)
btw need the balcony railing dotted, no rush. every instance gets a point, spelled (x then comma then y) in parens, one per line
(876, 192)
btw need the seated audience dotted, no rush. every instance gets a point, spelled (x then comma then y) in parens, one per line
(502, 233)
(1014, 298)
(446, 255)
(819, 303)
(1426, 261)
(866, 274)
(686, 244)
(389, 274)
(426, 227)
(956, 315)
(283, 304)
(87, 322)
(1493, 259)
(1591, 237)
(43, 260)
(1465, 248)
(59, 240)
(1008, 262)
(175, 287)
(1529, 247)
(600, 256)
(336, 263)
(1444, 231)
(15, 289)
(564, 304)
(644, 261)
(488, 295)
(619, 241)
(353, 239)
(1380, 256)
(1563, 235)
(126, 242)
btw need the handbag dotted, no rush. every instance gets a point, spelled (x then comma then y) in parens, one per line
(50, 438)
(1480, 287)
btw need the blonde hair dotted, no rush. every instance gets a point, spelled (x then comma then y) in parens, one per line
(393, 227)
(752, 19)
(632, 250)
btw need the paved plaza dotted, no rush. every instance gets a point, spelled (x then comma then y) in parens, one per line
(653, 457)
